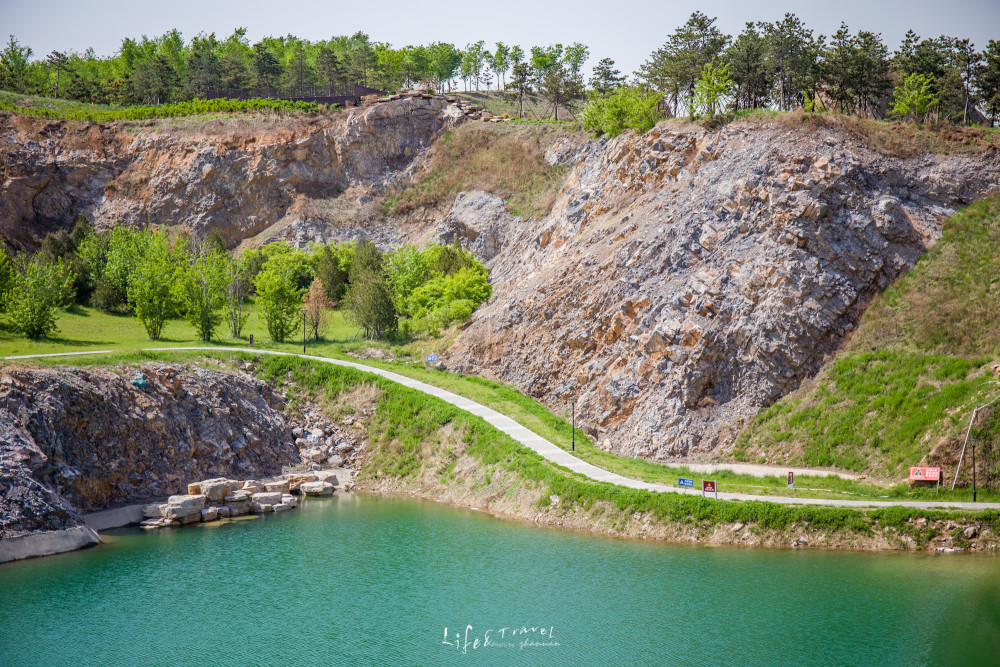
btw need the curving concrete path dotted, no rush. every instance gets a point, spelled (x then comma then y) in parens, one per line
(536, 442)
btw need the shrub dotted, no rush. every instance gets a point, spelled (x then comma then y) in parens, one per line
(370, 305)
(201, 290)
(628, 108)
(278, 295)
(151, 291)
(36, 289)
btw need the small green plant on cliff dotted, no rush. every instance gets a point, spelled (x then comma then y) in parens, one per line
(627, 108)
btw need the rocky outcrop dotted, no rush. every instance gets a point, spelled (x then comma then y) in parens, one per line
(75, 440)
(687, 278)
(238, 179)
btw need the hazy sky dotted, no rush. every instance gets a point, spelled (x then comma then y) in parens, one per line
(625, 30)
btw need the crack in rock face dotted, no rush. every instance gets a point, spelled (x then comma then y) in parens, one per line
(686, 279)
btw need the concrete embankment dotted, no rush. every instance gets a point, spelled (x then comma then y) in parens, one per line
(48, 543)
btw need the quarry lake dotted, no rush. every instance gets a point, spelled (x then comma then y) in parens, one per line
(361, 579)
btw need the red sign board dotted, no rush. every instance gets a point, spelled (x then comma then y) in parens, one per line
(791, 479)
(924, 474)
(707, 486)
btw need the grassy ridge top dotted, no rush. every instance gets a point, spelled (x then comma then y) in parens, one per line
(58, 109)
(901, 391)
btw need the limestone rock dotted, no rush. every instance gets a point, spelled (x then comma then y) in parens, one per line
(267, 498)
(210, 514)
(279, 486)
(294, 481)
(317, 488)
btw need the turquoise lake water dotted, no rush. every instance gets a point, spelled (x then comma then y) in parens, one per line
(376, 581)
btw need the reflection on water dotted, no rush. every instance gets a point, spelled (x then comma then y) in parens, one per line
(368, 580)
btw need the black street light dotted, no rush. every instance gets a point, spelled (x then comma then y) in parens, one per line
(572, 403)
(303, 331)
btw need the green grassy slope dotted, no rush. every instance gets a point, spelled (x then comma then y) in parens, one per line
(901, 391)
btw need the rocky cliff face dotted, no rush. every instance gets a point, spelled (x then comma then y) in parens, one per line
(686, 278)
(79, 440)
(238, 178)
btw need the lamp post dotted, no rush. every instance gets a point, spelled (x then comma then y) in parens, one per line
(973, 441)
(303, 331)
(572, 403)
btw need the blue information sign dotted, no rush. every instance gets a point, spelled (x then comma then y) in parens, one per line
(432, 358)
(684, 481)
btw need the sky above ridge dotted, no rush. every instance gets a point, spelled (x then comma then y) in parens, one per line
(625, 30)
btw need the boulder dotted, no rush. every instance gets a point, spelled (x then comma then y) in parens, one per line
(269, 498)
(253, 486)
(182, 507)
(210, 514)
(971, 532)
(153, 511)
(281, 507)
(315, 454)
(238, 507)
(294, 481)
(224, 512)
(215, 489)
(290, 500)
(335, 461)
(317, 489)
(328, 476)
(279, 486)
(194, 489)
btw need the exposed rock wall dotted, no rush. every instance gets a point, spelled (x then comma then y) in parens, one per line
(236, 179)
(80, 440)
(687, 278)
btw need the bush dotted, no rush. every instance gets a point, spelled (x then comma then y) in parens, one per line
(370, 305)
(446, 299)
(108, 297)
(629, 108)
(331, 274)
(37, 288)
(278, 295)
(151, 280)
(201, 291)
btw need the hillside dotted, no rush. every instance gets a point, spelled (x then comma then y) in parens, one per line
(675, 284)
(901, 391)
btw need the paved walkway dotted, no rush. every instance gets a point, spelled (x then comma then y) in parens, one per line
(539, 444)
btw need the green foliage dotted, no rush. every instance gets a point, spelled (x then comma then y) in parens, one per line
(201, 290)
(151, 291)
(627, 108)
(914, 97)
(370, 305)
(449, 298)
(713, 87)
(126, 247)
(136, 113)
(36, 288)
(279, 296)
(367, 259)
(330, 274)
